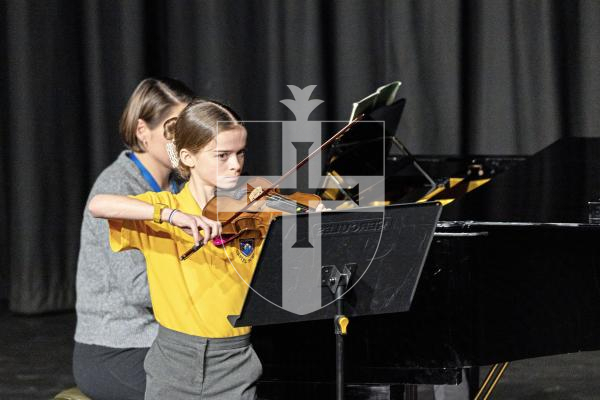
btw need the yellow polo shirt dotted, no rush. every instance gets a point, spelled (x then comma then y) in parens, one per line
(194, 296)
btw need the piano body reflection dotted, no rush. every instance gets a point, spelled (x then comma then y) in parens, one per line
(513, 273)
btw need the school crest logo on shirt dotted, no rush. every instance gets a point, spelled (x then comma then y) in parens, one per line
(246, 247)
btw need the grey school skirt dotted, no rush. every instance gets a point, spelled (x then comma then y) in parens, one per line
(184, 367)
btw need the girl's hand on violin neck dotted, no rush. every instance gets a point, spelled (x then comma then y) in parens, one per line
(192, 224)
(321, 207)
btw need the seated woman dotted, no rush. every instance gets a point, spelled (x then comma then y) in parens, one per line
(115, 323)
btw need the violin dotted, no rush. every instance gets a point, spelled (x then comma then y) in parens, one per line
(258, 213)
(258, 201)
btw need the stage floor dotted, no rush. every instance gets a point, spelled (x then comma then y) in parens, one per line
(35, 355)
(35, 363)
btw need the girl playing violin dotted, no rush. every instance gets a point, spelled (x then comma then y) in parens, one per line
(197, 353)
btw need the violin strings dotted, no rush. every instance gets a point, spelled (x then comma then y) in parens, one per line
(288, 201)
(285, 200)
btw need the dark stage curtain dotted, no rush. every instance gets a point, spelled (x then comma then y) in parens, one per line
(481, 76)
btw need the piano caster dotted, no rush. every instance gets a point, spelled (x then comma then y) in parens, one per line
(488, 390)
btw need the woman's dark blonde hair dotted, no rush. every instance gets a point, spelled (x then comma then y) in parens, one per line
(197, 125)
(151, 102)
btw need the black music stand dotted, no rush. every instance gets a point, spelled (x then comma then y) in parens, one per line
(380, 251)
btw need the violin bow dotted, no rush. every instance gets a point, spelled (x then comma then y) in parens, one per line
(337, 136)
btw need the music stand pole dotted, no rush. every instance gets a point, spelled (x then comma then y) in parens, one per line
(337, 279)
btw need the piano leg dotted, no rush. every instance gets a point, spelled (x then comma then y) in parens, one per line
(453, 392)
(381, 392)
(410, 392)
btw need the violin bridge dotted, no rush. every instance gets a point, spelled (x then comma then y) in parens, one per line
(257, 191)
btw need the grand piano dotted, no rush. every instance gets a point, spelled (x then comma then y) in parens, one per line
(513, 273)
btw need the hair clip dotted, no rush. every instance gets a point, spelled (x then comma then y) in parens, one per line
(172, 152)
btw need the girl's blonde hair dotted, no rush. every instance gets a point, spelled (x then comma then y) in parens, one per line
(197, 125)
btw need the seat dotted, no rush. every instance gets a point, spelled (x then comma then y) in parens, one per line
(71, 394)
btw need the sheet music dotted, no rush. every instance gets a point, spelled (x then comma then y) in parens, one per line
(384, 96)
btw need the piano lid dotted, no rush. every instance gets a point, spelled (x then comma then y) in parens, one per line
(553, 186)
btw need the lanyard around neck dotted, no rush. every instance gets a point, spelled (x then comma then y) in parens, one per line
(148, 176)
